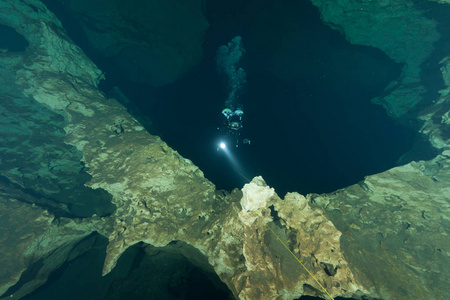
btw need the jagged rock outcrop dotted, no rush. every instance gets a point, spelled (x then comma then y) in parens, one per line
(151, 41)
(399, 220)
(395, 228)
(22, 224)
(400, 214)
(34, 243)
(382, 238)
(396, 27)
(436, 117)
(268, 269)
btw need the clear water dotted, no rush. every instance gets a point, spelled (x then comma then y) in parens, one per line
(307, 102)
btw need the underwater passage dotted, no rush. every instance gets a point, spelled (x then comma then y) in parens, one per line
(92, 204)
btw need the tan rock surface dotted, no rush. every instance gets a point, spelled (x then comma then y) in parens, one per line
(395, 229)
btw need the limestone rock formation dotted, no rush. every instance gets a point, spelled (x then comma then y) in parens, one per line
(396, 27)
(395, 229)
(436, 117)
(22, 224)
(34, 243)
(44, 157)
(399, 220)
(382, 238)
(244, 254)
(151, 41)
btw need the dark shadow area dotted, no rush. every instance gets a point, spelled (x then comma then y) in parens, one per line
(11, 40)
(307, 102)
(307, 105)
(137, 275)
(29, 274)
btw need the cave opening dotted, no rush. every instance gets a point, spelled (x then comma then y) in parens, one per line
(143, 271)
(177, 271)
(307, 103)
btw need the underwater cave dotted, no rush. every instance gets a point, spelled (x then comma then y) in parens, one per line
(306, 98)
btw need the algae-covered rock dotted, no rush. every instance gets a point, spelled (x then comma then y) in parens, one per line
(395, 229)
(396, 27)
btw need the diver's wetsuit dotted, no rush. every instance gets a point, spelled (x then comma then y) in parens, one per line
(231, 129)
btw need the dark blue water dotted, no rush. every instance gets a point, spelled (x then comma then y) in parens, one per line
(11, 40)
(307, 102)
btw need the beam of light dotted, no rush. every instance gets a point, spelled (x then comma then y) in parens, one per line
(233, 162)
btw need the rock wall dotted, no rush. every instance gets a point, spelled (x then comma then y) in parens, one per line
(396, 27)
(397, 220)
(67, 124)
(395, 229)
(436, 117)
(392, 225)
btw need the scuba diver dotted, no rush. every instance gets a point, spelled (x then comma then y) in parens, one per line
(232, 125)
(228, 59)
